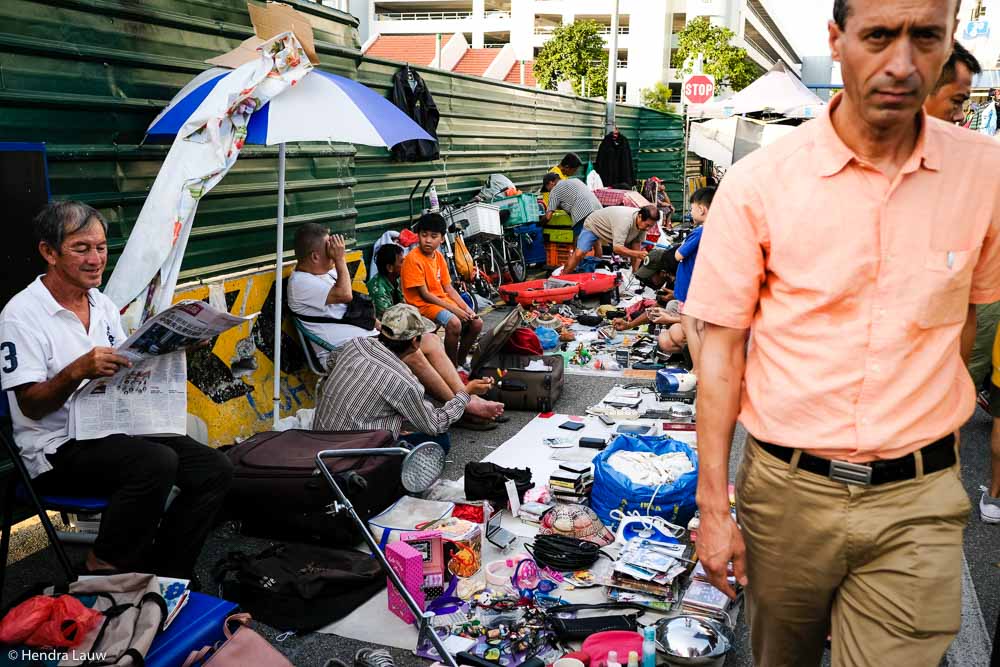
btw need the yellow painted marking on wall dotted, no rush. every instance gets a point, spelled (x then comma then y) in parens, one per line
(222, 422)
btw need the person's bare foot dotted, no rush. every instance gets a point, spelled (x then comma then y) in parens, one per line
(95, 564)
(480, 407)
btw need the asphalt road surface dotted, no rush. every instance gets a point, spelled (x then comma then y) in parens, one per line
(31, 562)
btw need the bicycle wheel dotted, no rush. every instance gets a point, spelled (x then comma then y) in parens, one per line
(516, 267)
(487, 274)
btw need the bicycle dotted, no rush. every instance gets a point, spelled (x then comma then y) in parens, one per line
(483, 264)
(501, 260)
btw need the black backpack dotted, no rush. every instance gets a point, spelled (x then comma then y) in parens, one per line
(488, 481)
(299, 587)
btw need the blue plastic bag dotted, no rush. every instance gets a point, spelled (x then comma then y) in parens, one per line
(547, 337)
(612, 490)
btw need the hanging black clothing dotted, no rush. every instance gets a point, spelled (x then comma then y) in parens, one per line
(614, 161)
(409, 93)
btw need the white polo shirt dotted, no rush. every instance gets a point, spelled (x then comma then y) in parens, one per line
(307, 293)
(39, 338)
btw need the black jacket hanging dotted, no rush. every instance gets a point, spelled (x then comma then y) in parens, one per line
(409, 93)
(614, 161)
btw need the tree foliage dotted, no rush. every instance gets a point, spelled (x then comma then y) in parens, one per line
(658, 97)
(727, 63)
(574, 53)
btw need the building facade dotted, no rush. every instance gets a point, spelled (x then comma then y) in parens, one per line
(647, 31)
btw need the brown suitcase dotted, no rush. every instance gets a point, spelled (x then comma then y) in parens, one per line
(278, 492)
(519, 389)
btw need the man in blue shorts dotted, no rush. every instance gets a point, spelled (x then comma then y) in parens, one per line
(621, 227)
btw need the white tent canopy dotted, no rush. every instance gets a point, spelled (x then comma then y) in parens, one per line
(779, 92)
(726, 140)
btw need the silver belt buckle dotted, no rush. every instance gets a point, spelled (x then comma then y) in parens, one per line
(851, 473)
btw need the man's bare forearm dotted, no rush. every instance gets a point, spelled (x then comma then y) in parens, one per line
(623, 251)
(343, 290)
(719, 385)
(43, 398)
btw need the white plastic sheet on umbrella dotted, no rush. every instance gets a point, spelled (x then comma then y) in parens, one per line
(204, 150)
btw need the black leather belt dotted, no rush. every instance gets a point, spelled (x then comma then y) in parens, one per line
(936, 456)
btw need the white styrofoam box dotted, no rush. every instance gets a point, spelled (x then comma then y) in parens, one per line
(483, 220)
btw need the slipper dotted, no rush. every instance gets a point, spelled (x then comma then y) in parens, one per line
(501, 419)
(473, 423)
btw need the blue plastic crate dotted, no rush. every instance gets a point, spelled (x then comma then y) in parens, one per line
(534, 243)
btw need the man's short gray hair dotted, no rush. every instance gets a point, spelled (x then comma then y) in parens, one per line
(60, 219)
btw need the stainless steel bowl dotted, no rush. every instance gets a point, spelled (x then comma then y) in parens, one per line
(692, 640)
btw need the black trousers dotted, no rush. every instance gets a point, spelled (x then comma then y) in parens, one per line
(137, 474)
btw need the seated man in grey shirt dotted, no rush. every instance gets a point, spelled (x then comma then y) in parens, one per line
(370, 387)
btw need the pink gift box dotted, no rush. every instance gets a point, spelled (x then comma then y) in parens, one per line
(409, 565)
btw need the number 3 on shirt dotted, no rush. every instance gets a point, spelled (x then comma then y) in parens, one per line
(9, 356)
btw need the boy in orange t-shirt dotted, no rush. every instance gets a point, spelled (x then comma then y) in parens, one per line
(427, 285)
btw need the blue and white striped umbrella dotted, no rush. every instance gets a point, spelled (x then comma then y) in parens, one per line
(320, 107)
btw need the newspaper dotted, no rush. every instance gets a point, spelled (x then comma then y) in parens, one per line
(150, 397)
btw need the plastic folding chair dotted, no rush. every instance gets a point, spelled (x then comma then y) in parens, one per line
(20, 488)
(307, 339)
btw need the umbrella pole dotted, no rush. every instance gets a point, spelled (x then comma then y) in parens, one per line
(277, 282)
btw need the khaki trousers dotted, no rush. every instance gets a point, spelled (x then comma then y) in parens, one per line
(877, 567)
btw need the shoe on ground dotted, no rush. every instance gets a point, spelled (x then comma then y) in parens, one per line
(373, 657)
(989, 507)
(983, 400)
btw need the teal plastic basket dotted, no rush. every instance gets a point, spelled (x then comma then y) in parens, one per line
(523, 209)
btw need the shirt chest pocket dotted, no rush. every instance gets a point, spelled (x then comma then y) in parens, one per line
(947, 275)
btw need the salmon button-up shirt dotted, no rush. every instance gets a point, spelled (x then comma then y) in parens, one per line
(855, 288)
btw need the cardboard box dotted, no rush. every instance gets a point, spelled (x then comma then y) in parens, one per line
(269, 21)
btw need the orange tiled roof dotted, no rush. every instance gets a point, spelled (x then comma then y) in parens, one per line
(476, 61)
(514, 75)
(414, 49)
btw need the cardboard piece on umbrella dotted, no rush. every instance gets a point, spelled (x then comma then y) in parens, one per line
(270, 20)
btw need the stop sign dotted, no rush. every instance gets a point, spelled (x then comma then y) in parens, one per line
(698, 89)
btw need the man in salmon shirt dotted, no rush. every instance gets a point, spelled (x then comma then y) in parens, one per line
(857, 279)
(427, 285)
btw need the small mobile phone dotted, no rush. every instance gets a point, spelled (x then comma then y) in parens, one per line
(571, 426)
(633, 429)
(608, 421)
(593, 443)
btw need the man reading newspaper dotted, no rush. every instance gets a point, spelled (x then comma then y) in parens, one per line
(60, 332)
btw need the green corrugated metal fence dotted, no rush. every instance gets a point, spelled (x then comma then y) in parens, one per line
(88, 76)
(661, 152)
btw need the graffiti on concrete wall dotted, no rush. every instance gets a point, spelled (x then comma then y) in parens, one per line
(230, 382)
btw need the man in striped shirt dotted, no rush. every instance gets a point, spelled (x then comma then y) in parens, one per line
(370, 387)
(571, 195)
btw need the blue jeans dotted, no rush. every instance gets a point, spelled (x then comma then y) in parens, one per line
(415, 439)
